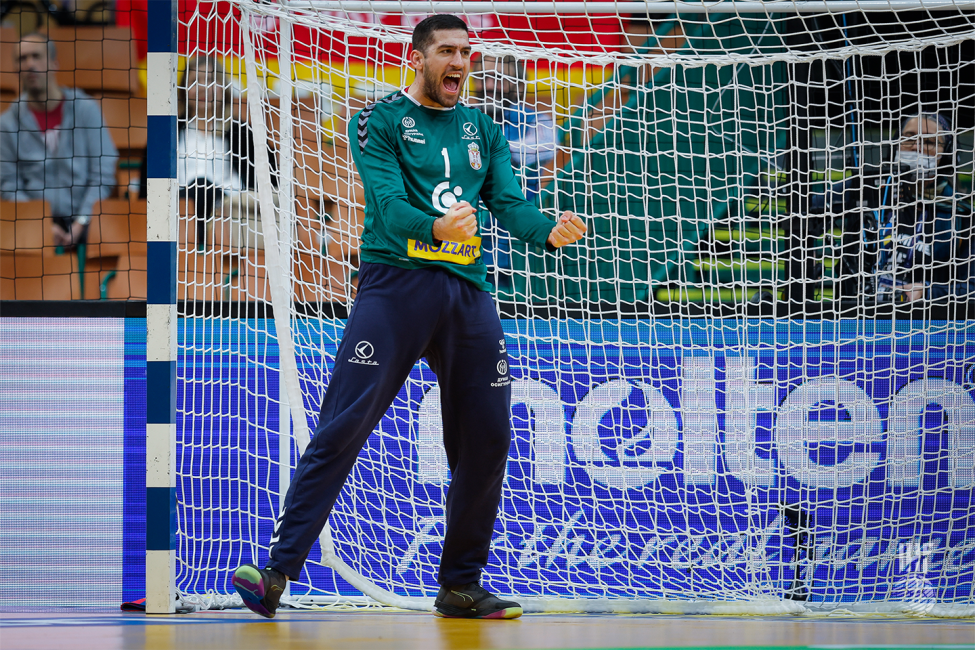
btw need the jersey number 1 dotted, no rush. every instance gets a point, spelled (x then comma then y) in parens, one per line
(443, 197)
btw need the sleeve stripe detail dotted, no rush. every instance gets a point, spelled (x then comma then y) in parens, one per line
(363, 126)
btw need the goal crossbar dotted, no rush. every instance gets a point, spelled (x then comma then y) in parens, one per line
(662, 7)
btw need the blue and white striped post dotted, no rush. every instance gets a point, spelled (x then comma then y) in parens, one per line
(161, 311)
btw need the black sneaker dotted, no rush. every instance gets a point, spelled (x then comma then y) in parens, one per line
(473, 601)
(261, 589)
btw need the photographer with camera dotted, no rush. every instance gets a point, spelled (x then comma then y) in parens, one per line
(906, 233)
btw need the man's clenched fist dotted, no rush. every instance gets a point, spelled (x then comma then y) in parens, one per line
(569, 229)
(459, 224)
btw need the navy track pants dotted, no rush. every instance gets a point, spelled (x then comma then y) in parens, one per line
(398, 317)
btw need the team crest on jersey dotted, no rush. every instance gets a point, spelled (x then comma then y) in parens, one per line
(474, 153)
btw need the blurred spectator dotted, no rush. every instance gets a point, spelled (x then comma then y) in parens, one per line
(216, 153)
(906, 234)
(499, 85)
(499, 90)
(54, 144)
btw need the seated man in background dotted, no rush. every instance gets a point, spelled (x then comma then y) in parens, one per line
(54, 145)
(216, 154)
(499, 91)
(906, 234)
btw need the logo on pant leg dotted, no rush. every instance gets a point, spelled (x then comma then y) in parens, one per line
(363, 354)
(504, 379)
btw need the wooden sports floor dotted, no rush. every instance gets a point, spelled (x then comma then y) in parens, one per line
(237, 630)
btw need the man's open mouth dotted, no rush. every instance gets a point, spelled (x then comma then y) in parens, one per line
(452, 82)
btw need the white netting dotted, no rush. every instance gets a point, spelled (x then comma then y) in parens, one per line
(718, 405)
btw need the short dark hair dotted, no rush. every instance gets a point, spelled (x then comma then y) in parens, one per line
(423, 33)
(41, 37)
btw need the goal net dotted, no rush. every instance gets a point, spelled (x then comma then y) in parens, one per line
(749, 388)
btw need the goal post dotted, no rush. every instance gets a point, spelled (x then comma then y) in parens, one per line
(705, 419)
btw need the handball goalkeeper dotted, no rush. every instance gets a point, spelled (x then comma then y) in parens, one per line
(425, 160)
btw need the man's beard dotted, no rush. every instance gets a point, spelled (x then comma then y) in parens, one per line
(434, 88)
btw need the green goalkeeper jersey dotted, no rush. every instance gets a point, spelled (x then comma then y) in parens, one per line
(414, 162)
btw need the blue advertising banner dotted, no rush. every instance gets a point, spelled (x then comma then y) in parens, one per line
(682, 459)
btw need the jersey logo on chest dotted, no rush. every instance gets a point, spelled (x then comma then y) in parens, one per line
(412, 134)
